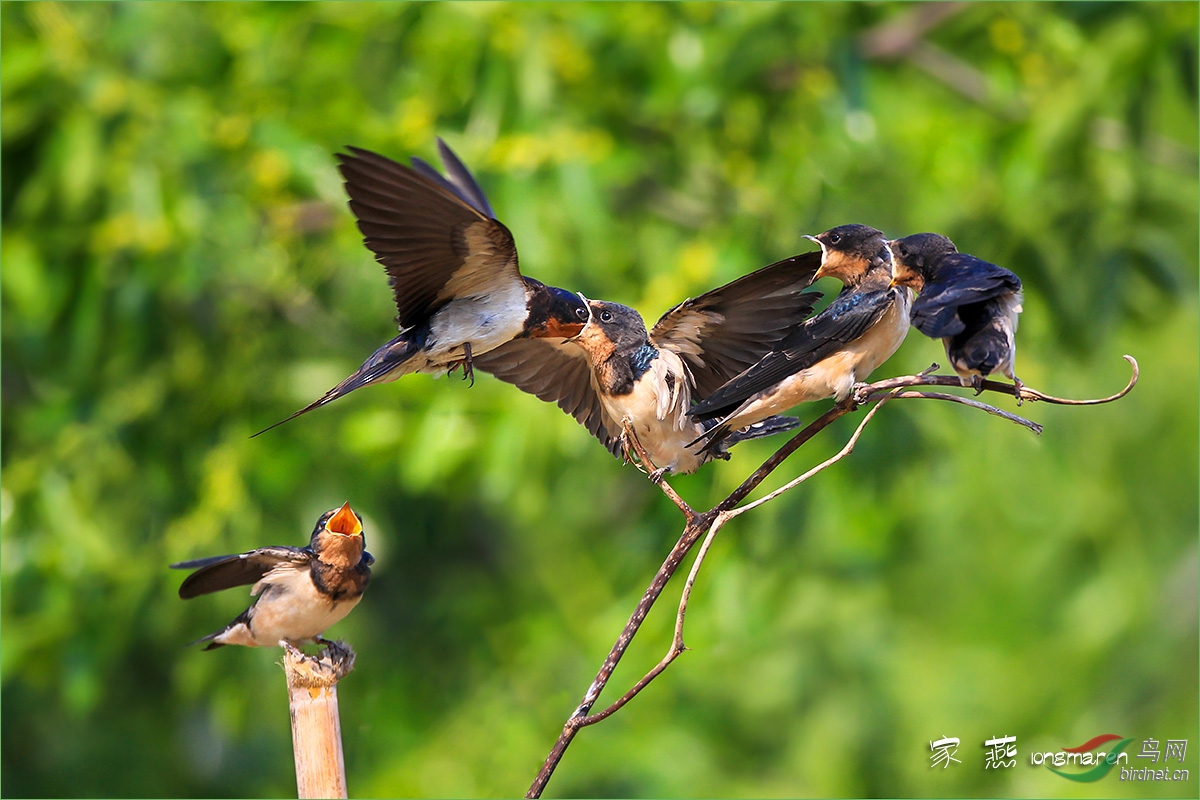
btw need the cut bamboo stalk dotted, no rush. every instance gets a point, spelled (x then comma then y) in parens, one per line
(316, 728)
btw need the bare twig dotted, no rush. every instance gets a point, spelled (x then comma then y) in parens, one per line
(696, 526)
(1032, 394)
(1025, 393)
(630, 439)
(966, 401)
(707, 523)
(677, 646)
(793, 444)
(845, 451)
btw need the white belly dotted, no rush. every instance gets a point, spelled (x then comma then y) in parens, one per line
(485, 322)
(836, 375)
(658, 418)
(290, 608)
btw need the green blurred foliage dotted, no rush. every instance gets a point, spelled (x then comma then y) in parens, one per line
(180, 270)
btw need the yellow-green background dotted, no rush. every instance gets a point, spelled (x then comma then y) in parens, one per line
(180, 270)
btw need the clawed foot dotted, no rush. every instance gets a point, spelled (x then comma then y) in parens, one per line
(468, 367)
(627, 449)
(631, 446)
(1019, 388)
(466, 364)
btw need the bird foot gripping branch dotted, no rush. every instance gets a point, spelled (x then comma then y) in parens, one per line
(324, 669)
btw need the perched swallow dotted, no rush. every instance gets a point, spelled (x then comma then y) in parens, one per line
(614, 371)
(301, 591)
(452, 267)
(969, 304)
(829, 353)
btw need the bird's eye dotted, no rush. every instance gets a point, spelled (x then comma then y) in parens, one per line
(582, 313)
(606, 316)
(834, 238)
(903, 251)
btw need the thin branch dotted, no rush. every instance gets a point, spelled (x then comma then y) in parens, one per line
(966, 401)
(845, 451)
(696, 526)
(793, 444)
(1033, 394)
(1024, 393)
(677, 646)
(656, 476)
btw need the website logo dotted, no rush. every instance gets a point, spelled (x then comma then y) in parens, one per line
(1099, 763)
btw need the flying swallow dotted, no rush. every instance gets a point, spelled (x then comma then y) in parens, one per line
(615, 371)
(827, 354)
(301, 591)
(452, 267)
(968, 303)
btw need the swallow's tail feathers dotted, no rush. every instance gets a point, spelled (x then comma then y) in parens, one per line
(212, 645)
(767, 427)
(385, 364)
(718, 439)
(241, 620)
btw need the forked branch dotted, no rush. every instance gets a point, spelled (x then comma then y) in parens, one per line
(708, 523)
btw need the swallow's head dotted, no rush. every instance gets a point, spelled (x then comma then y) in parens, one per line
(338, 538)
(914, 258)
(612, 328)
(553, 312)
(848, 251)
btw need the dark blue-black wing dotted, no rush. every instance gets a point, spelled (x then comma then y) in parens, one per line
(724, 331)
(846, 319)
(959, 280)
(436, 238)
(240, 569)
(461, 182)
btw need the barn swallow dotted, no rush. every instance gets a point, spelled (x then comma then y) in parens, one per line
(452, 267)
(301, 591)
(616, 372)
(968, 303)
(828, 354)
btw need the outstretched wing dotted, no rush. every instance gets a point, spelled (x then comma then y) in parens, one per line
(241, 569)
(558, 373)
(959, 280)
(847, 318)
(436, 238)
(721, 333)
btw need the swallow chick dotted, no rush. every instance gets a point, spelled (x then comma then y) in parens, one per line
(826, 355)
(300, 591)
(452, 267)
(615, 374)
(968, 303)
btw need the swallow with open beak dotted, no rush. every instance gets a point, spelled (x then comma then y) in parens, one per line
(968, 303)
(615, 373)
(300, 591)
(829, 353)
(452, 267)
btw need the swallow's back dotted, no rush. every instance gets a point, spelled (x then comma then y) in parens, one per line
(959, 280)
